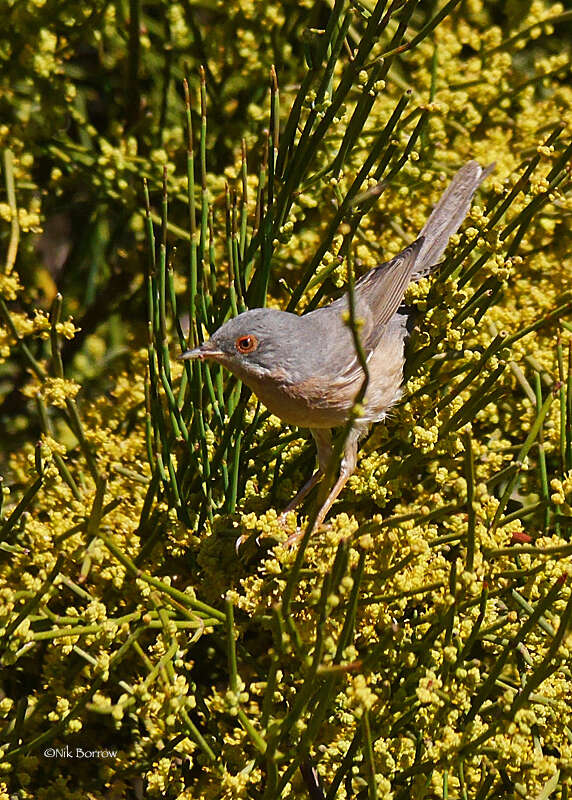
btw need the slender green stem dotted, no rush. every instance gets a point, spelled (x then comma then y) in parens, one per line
(471, 512)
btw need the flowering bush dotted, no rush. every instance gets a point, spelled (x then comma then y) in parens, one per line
(418, 645)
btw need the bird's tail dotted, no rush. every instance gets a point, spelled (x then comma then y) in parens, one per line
(447, 216)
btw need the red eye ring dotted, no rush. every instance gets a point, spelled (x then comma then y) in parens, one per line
(246, 344)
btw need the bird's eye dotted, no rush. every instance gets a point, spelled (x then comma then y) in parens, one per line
(246, 344)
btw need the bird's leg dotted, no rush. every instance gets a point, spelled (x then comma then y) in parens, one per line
(304, 491)
(347, 468)
(323, 439)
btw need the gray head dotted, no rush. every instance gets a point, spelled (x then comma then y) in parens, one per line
(258, 343)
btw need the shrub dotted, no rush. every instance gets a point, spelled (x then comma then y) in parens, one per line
(417, 646)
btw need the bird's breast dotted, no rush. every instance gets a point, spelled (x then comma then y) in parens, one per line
(316, 403)
(312, 403)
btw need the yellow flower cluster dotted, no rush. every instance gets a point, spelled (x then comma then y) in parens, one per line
(405, 638)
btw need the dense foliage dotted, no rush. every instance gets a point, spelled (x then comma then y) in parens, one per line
(416, 647)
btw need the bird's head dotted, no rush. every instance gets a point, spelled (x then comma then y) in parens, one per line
(256, 344)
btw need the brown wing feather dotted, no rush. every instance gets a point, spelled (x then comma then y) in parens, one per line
(382, 288)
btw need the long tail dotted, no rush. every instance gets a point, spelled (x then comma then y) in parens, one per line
(448, 215)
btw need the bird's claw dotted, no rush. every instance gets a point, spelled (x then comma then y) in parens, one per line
(243, 538)
(295, 537)
(240, 541)
(283, 519)
(292, 540)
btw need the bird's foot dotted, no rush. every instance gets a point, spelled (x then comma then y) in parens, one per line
(295, 537)
(281, 525)
(285, 519)
(258, 539)
(285, 522)
(241, 540)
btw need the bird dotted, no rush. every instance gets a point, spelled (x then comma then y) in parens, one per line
(305, 368)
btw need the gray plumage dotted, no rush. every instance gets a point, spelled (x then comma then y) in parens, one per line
(305, 368)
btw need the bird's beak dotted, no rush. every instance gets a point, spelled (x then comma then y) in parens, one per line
(206, 350)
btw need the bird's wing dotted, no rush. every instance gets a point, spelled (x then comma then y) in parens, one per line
(378, 294)
(381, 289)
(448, 215)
